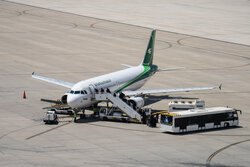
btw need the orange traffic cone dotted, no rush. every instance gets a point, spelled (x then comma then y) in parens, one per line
(24, 95)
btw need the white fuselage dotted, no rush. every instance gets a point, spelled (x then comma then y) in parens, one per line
(81, 94)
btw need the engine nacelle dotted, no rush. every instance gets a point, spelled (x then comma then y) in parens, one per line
(64, 98)
(136, 102)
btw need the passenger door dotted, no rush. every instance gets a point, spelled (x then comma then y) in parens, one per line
(92, 91)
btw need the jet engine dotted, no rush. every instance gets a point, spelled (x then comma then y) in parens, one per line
(136, 102)
(64, 98)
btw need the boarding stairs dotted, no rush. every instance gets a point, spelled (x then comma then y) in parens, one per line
(117, 101)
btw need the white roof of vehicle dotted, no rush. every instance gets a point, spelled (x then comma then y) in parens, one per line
(205, 111)
(186, 102)
(50, 112)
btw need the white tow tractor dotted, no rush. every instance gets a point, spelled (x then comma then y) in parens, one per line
(50, 117)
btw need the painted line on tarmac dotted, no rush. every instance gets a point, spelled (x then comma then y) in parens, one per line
(47, 130)
(17, 130)
(120, 128)
(220, 150)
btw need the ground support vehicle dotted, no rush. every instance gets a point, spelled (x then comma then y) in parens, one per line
(50, 117)
(115, 113)
(199, 119)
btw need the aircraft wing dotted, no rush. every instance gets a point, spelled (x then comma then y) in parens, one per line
(155, 91)
(54, 81)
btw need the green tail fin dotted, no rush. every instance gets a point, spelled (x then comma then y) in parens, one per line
(148, 58)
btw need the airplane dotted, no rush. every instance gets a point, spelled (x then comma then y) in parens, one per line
(127, 81)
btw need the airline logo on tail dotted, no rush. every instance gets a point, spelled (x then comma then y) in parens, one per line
(149, 50)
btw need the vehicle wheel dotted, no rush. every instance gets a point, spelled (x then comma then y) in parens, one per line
(82, 116)
(226, 124)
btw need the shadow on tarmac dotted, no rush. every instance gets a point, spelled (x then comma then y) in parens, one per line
(200, 132)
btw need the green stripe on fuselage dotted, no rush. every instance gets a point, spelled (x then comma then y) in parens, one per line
(147, 72)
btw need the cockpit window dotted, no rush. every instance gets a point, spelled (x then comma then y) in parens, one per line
(77, 92)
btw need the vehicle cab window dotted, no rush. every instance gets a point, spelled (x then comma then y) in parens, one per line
(77, 92)
(168, 120)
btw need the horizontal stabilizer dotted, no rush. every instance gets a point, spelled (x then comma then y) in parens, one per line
(127, 65)
(170, 69)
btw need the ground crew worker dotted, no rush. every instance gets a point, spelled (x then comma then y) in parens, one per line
(96, 111)
(108, 91)
(74, 116)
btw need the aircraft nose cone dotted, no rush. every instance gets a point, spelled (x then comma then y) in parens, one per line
(73, 101)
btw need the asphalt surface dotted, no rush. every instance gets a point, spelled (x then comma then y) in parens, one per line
(226, 20)
(71, 48)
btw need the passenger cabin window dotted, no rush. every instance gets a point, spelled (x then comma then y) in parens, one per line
(77, 92)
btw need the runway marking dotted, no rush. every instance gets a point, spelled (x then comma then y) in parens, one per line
(220, 150)
(218, 52)
(210, 50)
(113, 127)
(67, 25)
(92, 25)
(48, 130)
(1, 137)
(167, 47)
(134, 37)
(15, 13)
(179, 40)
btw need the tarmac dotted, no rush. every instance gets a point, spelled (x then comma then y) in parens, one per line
(71, 47)
(226, 20)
